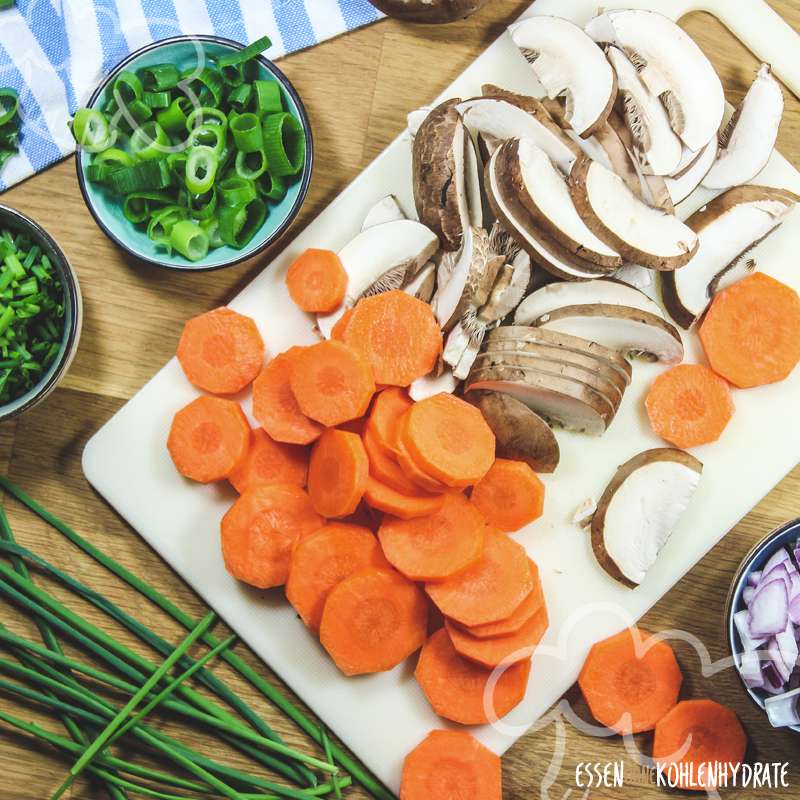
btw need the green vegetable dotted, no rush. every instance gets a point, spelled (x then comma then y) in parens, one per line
(246, 130)
(284, 144)
(237, 191)
(149, 141)
(9, 105)
(173, 118)
(144, 176)
(9, 124)
(92, 131)
(246, 53)
(189, 239)
(268, 98)
(201, 169)
(237, 226)
(160, 77)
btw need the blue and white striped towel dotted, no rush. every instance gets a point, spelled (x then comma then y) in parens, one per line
(54, 52)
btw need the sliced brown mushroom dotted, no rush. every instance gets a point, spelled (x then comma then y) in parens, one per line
(520, 433)
(629, 330)
(639, 510)
(671, 65)
(428, 11)
(728, 228)
(423, 284)
(685, 182)
(749, 138)
(635, 275)
(387, 209)
(570, 65)
(641, 233)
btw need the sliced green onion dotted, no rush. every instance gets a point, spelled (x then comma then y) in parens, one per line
(251, 165)
(201, 169)
(145, 176)
(203, 206)
(211, 136)
(127, 87)
(236, 191)
(210, 79)
(269, 99)
(137, 205)
(247, 134)
(271, 186)
(157, 99)
(190, 240)
(284, 144)
(173, 118)
(160, 77)
(211, 227)
(91, 130)
(246, 53)
(149, 141)
(233, 75)
(114, 157)
(100, 173)
(240, 97)
(9, 104)
(139, 110)
(177, 166)
(237, 226)
(205, 115)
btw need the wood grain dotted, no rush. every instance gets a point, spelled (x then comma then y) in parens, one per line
(358, 89)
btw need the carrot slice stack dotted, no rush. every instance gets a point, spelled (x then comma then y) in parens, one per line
(405, 506)
(275, 406)
(450, 765)
(337, 473)
(268, 461)
(436, 546)
(510, 495)
(398, 335)
(455, 687)
(489, 590)
(630, 681)
(221, 351)
(372, 621)
(208, 439)
(317, 281)
(331, 382)
(323, 559)
(337, 331)
(260, 530)
(689, 405)
(383, 467)
(388, 408)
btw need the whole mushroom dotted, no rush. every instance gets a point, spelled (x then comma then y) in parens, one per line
(431, 11)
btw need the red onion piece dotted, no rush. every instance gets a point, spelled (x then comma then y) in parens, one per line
(747, 594)
(780, 556)
(772, 680)
(782, 709)
(748, 642)
(769, 612)
(750, 669)
(754, 577)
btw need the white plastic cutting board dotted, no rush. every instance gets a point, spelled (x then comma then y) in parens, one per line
(382, 717)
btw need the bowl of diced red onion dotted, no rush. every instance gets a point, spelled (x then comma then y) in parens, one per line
(764, 625)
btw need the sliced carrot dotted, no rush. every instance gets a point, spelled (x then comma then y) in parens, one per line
(689, 405)
(630, 681)
(398, 335)
(707, 733)
(337, 473)
(383, 467)
(317, 281)
(510, 495)
(261, 528)
(749, 333)
(221, 351)
(324, 558)
(268, 461)
(339, 328)
(488, 590)
(389, 406)
(448, 439)
(438, 545)
(373, 620)
(533, 601)
(275, 406)
(209, 439)
(455, 687)
(405, 506)
(500, 649)
(332, 382)
(451, 765)
(407, 464)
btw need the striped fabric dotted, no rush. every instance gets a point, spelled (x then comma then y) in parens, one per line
(54, 52)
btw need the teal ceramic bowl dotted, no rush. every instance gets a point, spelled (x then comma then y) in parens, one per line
(184, 52)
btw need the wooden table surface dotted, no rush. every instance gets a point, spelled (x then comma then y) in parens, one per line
(357, 89)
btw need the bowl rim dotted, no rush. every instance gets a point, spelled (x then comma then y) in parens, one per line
(737, 584)
(72, 294)
(305, 180)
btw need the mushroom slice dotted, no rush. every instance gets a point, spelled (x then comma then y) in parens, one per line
(562, 401)
(571, 345)
(749, 138)
(657, 148)
(423, 284)
(543, 191)
(728, 228)
(639, 510)
(387, 209)
(642, 234)
(557, 295)
(681, 186)
(430, 385)
(520, 433)
(570, 65)
(629, 330)
(635, 275)
(472, 181)
(415, 118)
(438, 156)
(671, 66)
(380, 258)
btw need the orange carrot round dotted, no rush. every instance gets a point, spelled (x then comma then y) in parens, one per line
(448, 439)
(332, 382)
(317, 281)
(337, 473)
(372, 621)
(451, 765)
(268, 461)
(438, 545)
(260, 529)
(491, 653)
(383, 467)
(275, 406)
(388, 408)
(510, 495)
(630, 681)
(324, 558)
(455, 687)
(405, 506)
(708, 732)
(208, 439)
(221, 351)
(488, 590)
(340, 326)
(749, 333)
(397, 334)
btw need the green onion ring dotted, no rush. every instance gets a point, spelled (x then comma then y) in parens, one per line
(173, 118)
(157, 99)
(160, 77)
(236, 191)
(269, 99)
(244, 168)
(127, 87)
(9, 105)
(237, 226)
(247, 134)
(92, 131)
(149, 141)
(211, 136)
(205, 115)
(137, 206)
(271, 186)
(203, 206)
(284, 144)
(201, 169)
(240, 56)
(189, 239)
(240, 97)
(114, 156)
